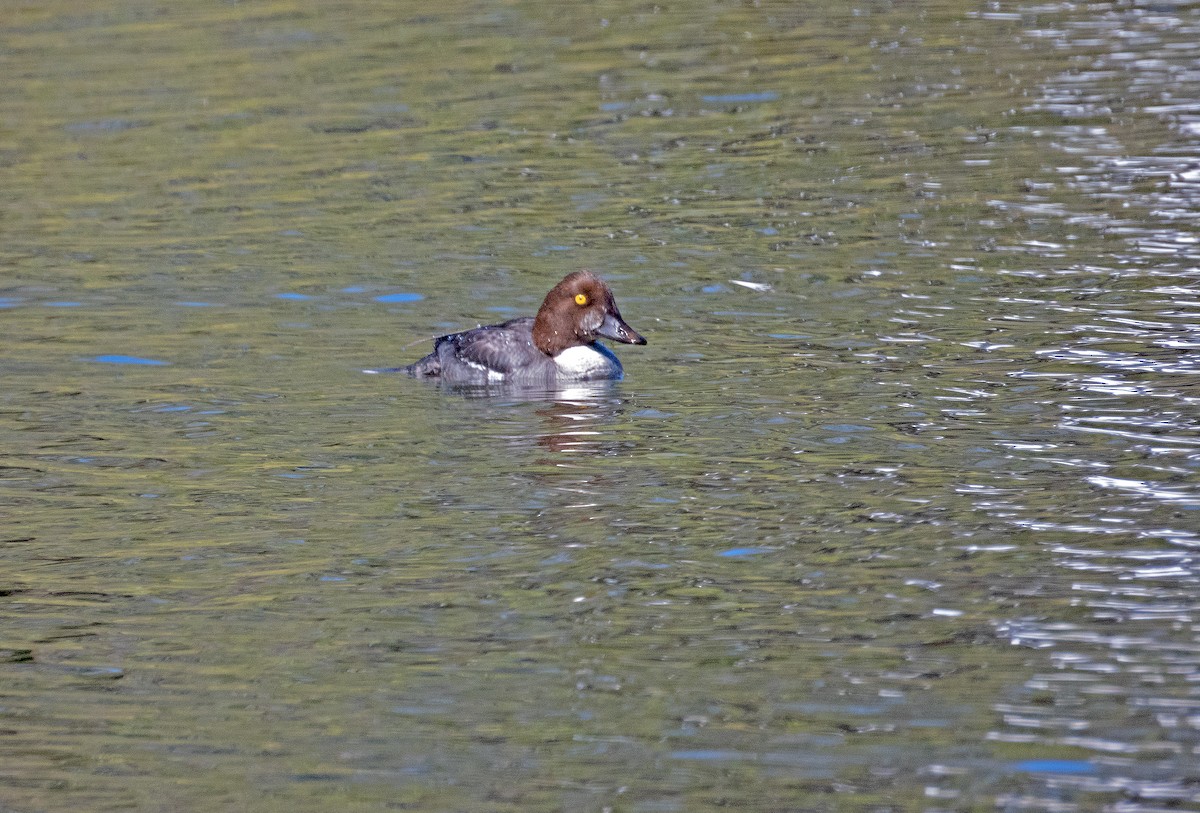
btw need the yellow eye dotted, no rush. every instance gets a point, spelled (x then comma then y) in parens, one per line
(581, 299)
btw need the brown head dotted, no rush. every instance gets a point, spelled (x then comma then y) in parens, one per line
(577, 311)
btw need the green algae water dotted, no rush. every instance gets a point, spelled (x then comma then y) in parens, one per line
(896, 511)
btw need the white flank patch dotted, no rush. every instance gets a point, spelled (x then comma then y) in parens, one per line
(493, 376)
(588, 362)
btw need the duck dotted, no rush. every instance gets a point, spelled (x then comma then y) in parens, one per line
(559, 345)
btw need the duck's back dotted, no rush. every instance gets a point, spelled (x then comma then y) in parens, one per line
(487, 355)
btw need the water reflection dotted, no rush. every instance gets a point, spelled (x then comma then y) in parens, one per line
(578, 393)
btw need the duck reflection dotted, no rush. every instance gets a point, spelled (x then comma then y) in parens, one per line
(575, 414)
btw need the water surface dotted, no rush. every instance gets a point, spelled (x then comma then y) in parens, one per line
(896, 511)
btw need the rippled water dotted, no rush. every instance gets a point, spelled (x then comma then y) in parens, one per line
(896, 511)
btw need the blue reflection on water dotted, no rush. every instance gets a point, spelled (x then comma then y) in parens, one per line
(119, 359)
(735, 552)
(1063, 766)
(740, 98)
(399, 297)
